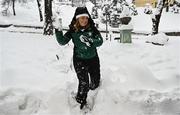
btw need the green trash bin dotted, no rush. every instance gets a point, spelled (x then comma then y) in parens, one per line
(125, 33)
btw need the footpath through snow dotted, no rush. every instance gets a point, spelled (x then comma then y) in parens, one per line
(137, 78)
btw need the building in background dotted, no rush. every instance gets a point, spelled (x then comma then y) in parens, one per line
(142, 3)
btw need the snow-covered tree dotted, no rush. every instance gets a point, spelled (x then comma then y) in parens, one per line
(48, 26)
(7, 3)
(157, 15)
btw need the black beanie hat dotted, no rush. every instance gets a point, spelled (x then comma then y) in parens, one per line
(79, 11)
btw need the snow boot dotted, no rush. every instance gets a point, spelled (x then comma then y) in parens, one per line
(81, 101)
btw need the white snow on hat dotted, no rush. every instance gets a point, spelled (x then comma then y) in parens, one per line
(82, 15)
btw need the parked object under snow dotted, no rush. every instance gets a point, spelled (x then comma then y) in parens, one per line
(158, 39)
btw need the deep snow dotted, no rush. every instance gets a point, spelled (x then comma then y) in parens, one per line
(137, 78)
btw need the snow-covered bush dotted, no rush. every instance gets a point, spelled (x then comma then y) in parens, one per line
(148, 9)
(133, 10)
(114, 19)
(5, 11)
(94, 12)
(175, 8)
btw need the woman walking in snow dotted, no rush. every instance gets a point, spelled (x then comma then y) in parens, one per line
(86, 38)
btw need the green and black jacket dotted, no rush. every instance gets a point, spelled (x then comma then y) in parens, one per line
(81, 50)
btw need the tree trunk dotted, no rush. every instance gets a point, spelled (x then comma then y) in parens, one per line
(40, 12)
(167, 8)
(13, 7)
(48, 27)
(72, 3)
(157, 16)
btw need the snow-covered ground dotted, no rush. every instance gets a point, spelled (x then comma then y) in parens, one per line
(137, 78)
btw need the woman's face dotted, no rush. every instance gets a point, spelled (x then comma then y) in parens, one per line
(83, 20)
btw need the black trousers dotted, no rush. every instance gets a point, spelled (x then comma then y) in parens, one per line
(88, 73)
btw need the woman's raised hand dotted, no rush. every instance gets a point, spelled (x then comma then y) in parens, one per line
(57, 22)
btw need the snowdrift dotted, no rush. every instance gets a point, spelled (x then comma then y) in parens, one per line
(137, 78)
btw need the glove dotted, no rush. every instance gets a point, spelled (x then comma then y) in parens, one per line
(87, 40)
(57, 23)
